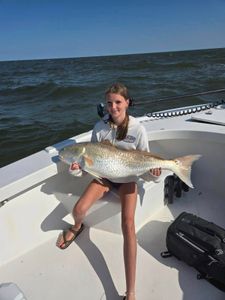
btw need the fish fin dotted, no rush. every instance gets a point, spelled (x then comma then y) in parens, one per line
(147, 154)
(97, 177)
(100, 180)
(106, 142)
(88, 160)
(182, 168)
(148, 176)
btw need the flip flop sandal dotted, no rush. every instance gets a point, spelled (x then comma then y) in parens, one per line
(66, 242)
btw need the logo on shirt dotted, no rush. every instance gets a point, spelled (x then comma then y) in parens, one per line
(129, 139)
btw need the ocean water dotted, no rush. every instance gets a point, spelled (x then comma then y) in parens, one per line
(45, 101)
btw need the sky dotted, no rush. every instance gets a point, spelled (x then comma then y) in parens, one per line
(59, 29)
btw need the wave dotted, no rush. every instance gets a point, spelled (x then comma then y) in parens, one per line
(157, 66)
(141, 65)
(65, 91)
(182, 65)
(27, 89)
(45, 91)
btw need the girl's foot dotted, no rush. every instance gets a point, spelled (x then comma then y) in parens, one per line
(68, 236)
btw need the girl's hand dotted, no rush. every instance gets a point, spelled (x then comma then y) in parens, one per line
(75, 166)
(156, 172)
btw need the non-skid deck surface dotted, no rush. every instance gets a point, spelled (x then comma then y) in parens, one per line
(92, 267)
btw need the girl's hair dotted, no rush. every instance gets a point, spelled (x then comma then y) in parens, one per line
(120, 89)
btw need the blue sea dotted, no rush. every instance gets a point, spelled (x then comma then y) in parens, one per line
(45, 101)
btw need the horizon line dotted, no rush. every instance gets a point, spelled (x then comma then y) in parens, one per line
(110, 55)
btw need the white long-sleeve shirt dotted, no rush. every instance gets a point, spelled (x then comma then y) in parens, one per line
(136, 135)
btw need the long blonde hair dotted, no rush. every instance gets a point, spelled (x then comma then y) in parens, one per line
(120, 89)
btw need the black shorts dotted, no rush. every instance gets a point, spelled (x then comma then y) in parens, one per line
(115, 185)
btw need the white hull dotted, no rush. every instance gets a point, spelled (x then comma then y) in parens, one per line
(41, 194)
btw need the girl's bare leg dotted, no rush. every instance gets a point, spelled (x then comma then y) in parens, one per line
(128, 196)
(93, 192)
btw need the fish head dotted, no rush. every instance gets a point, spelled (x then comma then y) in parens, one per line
(71, 154)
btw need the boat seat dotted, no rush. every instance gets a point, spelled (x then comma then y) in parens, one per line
(105, 214)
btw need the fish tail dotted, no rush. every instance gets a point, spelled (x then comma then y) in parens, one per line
(182, 168)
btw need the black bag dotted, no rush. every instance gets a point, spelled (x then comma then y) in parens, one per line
(199, 243)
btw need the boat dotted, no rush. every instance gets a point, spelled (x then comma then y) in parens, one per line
(38, 193)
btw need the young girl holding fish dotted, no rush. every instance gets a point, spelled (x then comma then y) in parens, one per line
(125, 132)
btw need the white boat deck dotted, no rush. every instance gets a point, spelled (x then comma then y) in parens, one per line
(42, 193)
(90, 266)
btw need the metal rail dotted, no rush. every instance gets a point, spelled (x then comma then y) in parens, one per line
(173, 112)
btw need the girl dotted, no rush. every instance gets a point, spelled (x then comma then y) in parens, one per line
(125, 132)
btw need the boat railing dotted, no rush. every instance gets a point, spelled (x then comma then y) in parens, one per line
(184, 110)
